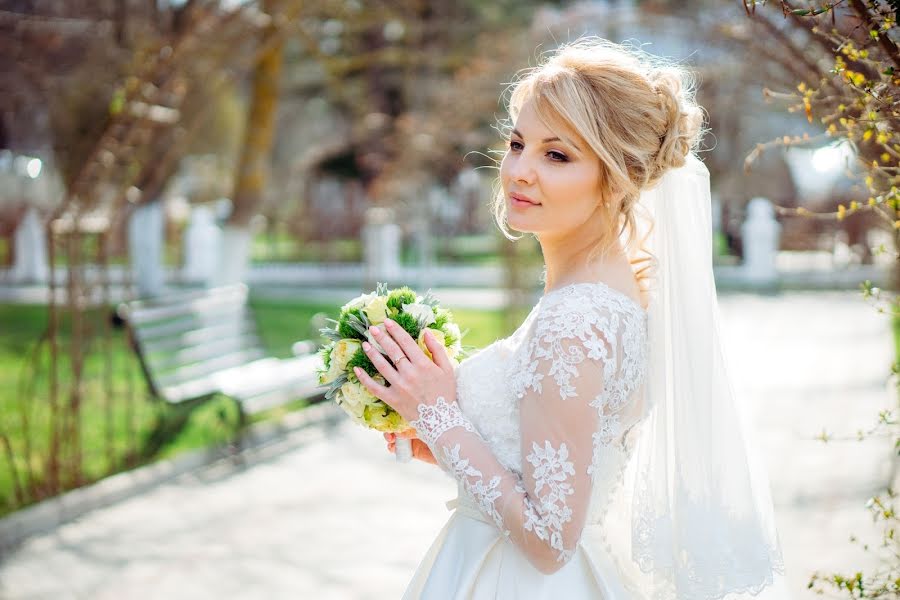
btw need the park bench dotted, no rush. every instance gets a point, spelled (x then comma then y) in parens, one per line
(194, 345)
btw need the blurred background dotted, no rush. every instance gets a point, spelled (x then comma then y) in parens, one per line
(188, 189)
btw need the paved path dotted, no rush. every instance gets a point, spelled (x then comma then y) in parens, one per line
(327, 514)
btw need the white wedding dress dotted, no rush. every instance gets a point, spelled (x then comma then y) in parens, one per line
(538, 441)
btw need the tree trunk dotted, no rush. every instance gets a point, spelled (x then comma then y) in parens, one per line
(250, 181)
(253, 167)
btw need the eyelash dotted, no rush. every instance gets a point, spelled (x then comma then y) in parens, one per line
(561, 157)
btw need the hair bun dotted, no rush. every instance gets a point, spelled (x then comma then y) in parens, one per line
(684, 120)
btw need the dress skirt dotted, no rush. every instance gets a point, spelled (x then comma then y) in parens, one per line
(470, 560)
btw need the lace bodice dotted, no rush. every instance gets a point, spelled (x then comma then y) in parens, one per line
(557, 397)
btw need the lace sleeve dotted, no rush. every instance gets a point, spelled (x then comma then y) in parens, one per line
(567, 376)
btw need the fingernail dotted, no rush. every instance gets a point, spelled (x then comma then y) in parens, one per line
(374, 331)
(366, 346)
(357, 371)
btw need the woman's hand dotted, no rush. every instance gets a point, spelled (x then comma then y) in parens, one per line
(420, 449)
(415, 379)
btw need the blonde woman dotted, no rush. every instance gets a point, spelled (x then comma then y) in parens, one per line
(598, 450)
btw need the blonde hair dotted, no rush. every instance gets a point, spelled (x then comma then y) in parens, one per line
(635, 111)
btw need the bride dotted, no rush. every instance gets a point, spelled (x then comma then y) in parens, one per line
(598, 450)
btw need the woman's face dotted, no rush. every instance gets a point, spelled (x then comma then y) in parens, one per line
(551, 186)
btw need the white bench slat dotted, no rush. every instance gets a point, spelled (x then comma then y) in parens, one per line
(200, 370)
(197, 344)
(166, 362)
(146, 312)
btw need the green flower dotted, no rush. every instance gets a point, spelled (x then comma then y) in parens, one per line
(397, 298)
(361, 360)
(442, 316)
(409, 323)
(452, 338)
(344, 328)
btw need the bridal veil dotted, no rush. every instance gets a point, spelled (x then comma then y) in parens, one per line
(701, 517)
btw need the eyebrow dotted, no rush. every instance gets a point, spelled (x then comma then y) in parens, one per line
(548, 140)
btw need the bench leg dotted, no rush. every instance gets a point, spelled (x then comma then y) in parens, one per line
(237, 446)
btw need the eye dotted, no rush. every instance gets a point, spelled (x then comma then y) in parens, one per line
(514, 145)
(557, 156)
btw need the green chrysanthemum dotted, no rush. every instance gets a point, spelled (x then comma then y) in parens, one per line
(441, 317)
(346, 329)
(409, 323)
(361, 360)
(397, 298)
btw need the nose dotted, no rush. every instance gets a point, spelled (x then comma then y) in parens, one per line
(521, 168)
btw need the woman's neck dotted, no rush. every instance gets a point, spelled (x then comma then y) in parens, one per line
(566, 262)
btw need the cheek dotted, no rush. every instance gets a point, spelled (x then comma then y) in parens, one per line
(567, 186)
(576, 193)
(504, 170)
(581, 187)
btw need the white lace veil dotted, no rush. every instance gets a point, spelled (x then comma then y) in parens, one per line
(701, 514)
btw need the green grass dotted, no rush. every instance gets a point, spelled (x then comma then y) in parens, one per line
(282, 246)
(118, 418)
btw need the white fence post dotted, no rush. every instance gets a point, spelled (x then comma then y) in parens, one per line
(201, 246)
(31, 250)
(760, 233)
(145, 241)
(381, 245)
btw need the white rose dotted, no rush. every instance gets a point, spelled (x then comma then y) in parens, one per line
(341, 354)
(359, 302)
(326, 377)
(421, 312)
(376, 310)
(356, 398)
(342, 401)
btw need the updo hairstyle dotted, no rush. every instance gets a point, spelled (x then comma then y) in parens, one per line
(636, 112)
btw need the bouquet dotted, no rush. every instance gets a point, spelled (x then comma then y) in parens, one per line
(344, 351)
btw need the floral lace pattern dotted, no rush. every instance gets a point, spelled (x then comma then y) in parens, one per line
(551, 469)
(561, 388)
(472, 479)
(566, 337)
(434, 420)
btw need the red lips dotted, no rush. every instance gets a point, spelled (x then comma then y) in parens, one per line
(523, 198)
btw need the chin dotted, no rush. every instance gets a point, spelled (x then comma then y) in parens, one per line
(520, 226)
